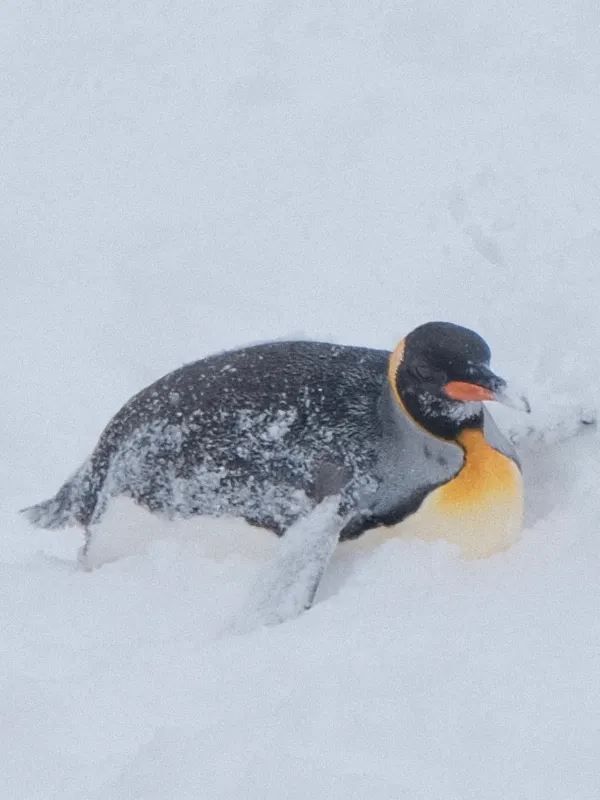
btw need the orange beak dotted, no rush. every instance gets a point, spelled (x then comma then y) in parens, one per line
(465, 392)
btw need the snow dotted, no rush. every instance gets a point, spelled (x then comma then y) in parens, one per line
(183, 178)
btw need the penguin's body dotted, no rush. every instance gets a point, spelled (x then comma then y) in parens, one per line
(267, 432)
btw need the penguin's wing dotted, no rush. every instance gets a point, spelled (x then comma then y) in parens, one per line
(288, 584)
(497, 439)
(331, 479)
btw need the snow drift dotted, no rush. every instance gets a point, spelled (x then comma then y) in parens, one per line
(180, 179)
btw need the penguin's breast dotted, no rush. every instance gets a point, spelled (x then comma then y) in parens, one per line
(480, 509)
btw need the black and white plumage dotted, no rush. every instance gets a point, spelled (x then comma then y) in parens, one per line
(266, 432)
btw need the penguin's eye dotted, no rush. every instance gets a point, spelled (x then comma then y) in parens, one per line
(429, 374)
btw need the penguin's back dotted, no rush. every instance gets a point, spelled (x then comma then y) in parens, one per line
(262, 432)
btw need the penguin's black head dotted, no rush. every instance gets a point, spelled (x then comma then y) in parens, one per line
(440, 374)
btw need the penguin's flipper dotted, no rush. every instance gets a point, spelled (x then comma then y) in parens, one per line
(288, 584)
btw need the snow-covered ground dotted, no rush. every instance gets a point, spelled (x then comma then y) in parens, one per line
(179, 178)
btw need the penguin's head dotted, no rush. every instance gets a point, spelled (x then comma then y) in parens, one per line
(440, 375)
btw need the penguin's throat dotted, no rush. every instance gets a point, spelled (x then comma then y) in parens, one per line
(463, 414)
(443, 418)
(487, 476)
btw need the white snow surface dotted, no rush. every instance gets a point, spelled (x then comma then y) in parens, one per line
(181, 178)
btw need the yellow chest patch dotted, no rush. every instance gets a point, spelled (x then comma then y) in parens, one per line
(480, 510)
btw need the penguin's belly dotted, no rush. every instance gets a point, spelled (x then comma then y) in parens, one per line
(480, 510)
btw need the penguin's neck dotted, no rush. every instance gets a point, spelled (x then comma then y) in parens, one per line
(480, 508)
(444, 420)
(486, 472)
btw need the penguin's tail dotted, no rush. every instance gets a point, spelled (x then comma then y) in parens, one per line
(73, 504)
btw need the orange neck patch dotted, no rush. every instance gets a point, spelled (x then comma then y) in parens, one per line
(480, 510)
(487, 477)
(393, 366)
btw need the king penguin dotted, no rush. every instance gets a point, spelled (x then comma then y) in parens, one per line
(265, 433)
